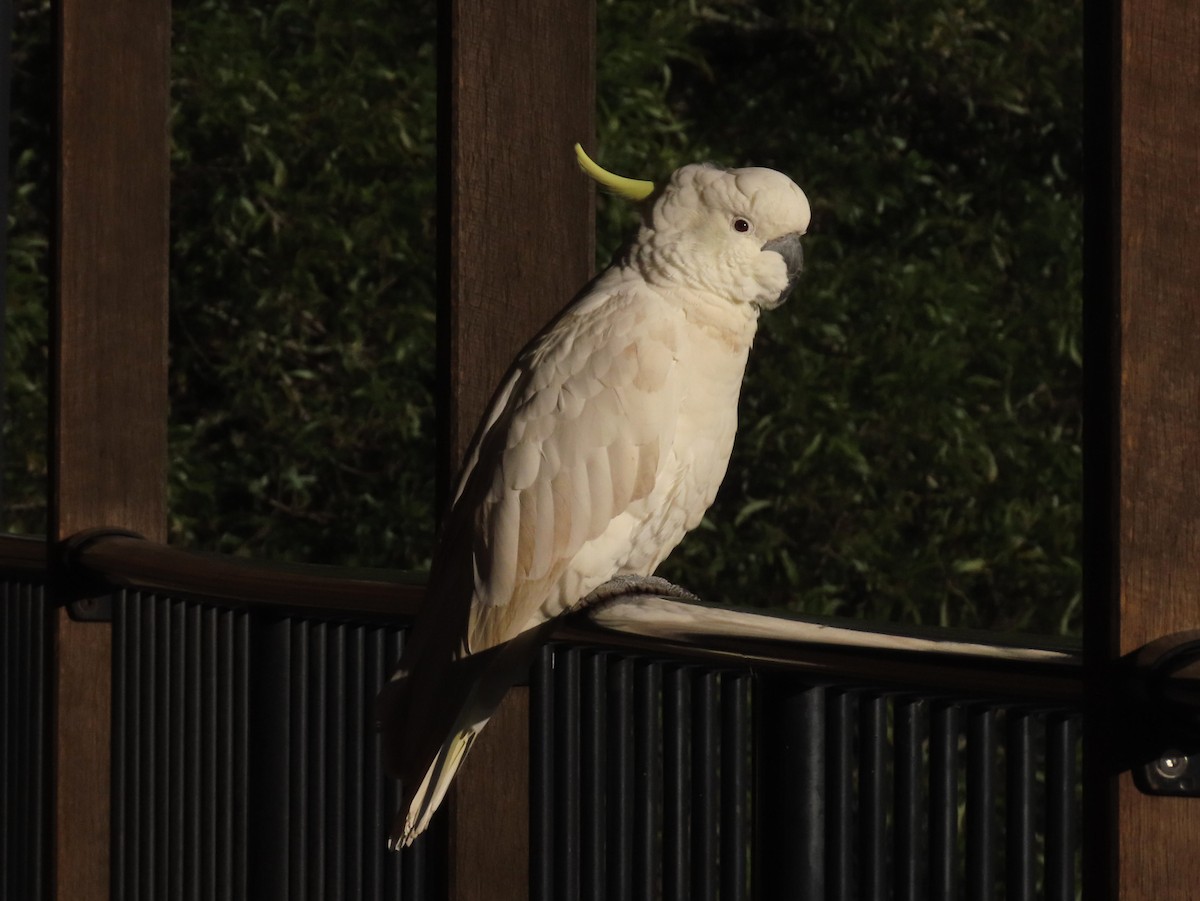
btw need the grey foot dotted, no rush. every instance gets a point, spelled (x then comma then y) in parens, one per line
(630, 585)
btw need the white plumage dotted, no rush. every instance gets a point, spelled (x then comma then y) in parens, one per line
(604, 445)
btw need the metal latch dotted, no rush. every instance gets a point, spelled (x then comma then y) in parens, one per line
(1166, 713)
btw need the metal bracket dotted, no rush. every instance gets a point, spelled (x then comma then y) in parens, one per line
(93, 609)
(1174, 773)
(1166, 700)
(91, 601)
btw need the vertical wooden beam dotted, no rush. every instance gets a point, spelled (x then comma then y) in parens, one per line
(517, 91)
(1142, 846)
(108, 369)
(520, 93)
(109, 428)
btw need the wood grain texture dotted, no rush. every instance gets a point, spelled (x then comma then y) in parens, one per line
(1158, 421)
(1160, 322)
(519, 229)
(109, 424)
(108, 369)
(489, 831)
(83, 720)
(517, 91)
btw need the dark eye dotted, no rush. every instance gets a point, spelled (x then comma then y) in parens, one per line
(741, 225)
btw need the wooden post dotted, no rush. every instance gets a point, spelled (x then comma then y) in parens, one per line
(1141, 846)
(108, 370)
(517, 88)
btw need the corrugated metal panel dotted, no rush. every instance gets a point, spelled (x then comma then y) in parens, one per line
(657, 779)
(642, 779)
(180, 739)
(944, 773)
(245, 767)
(244, 761)
(23, 753)
(1062, 806)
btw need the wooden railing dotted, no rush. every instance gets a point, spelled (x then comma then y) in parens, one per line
(1037, 667)
(235, 676)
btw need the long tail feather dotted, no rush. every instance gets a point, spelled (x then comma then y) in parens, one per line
(429, 719)
(412, 820)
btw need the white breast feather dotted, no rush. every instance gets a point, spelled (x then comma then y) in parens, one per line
(591, 482)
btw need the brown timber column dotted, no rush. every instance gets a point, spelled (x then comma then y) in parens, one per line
(1146, 847)
(108, 370)
(517, 91)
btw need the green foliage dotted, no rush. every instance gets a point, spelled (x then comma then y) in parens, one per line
(27, 273)
(302, 280)
(910, 447)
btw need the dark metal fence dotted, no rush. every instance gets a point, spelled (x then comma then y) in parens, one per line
(642, 778)
(24, 750)
(668, 779)
(245, 763)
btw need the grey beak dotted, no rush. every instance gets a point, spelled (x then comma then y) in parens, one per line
(789, 248)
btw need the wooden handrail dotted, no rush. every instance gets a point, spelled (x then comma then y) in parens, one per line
(1029, 667)
(22, 554)
(135, 563)
(127, 561)
(1033, 668)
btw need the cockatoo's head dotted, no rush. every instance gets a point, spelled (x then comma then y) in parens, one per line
(730, 232)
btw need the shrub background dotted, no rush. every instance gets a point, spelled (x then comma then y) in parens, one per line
(910, 440)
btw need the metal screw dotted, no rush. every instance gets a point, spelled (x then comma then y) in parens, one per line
(1172, 765)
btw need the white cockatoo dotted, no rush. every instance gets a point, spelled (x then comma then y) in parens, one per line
(604, 444)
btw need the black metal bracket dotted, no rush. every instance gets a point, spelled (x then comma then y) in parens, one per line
(91, 601)
(1174, 773)
(92, 609)
(1165, 721)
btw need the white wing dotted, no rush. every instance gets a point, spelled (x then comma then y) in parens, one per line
(574, 441)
